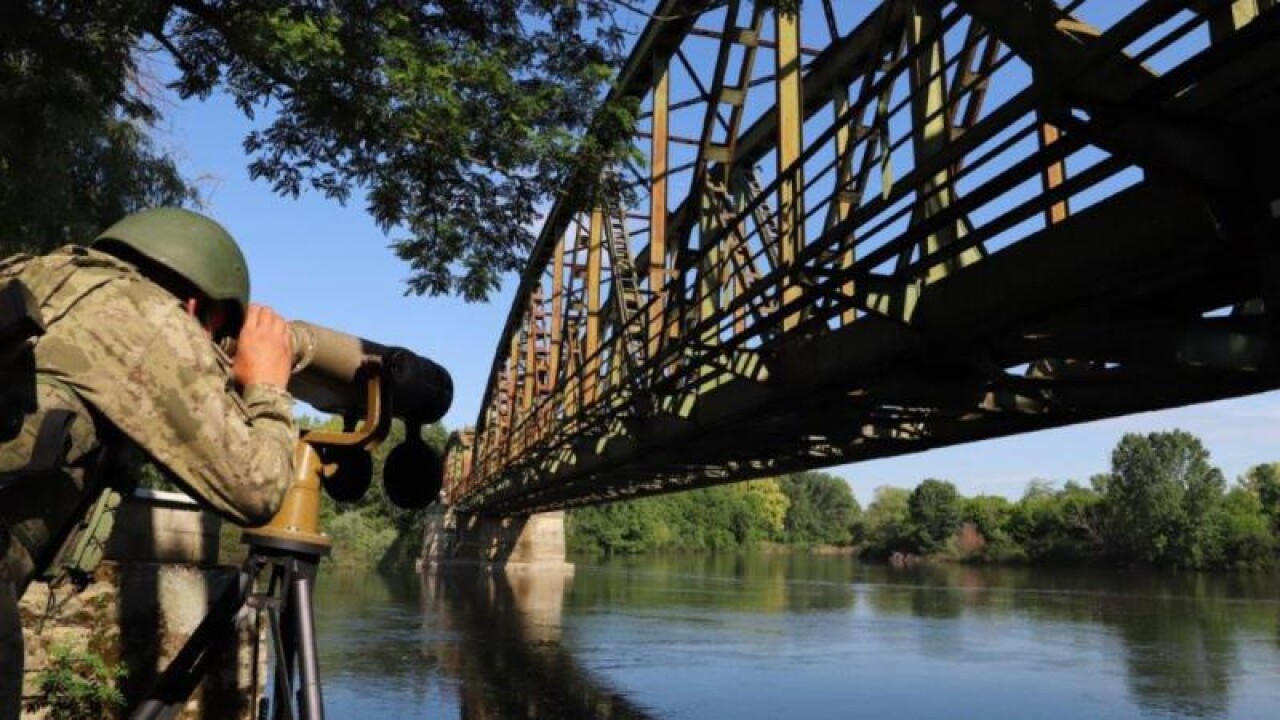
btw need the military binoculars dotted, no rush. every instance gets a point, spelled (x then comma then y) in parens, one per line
(367, 384)
(331, 367)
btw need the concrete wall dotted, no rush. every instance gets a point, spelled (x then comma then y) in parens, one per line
(534, 542)
(147, 597)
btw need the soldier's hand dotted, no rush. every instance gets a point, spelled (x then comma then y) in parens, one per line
(264, 353)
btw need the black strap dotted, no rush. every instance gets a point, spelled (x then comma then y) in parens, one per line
(50, 450)
(51, 440)
(19, 314)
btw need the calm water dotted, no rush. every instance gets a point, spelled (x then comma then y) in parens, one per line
(800, 637)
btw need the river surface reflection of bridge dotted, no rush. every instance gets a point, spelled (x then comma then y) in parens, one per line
(800, 636)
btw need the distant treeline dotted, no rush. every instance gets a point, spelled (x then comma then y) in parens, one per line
(806, 509)
(1162, 504)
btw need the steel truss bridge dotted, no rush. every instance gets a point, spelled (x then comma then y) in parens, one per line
(867, 229)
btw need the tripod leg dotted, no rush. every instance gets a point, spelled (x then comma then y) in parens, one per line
(280, 697)
(284, 639)
(309, 695)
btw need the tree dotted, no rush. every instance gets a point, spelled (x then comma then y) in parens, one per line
(1082, 518)
(456, 119)
(1264, 482)
(989, 515)
(616, 528)
(74, 150)
(1061, 526)
(770, 505)
(1247, 537)
(888, 522)
(1038, 488)
(935, 513)
(822, 509)
(1161, 498)
(720, 517)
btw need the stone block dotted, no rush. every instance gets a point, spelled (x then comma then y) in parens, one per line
(141, 615)
(163, 527)
(146, 599)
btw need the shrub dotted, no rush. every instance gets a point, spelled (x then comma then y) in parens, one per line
(360, 538)
(78, 685)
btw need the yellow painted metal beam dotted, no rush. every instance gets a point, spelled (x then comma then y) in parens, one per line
(658, 204)
(843, 203)
(1226, 18)
(790, 104)
(931, 131)
(595, 234)
(532, 336)
(1053, 176)
(558, 288)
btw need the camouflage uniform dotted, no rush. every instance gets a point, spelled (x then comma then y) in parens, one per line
(122, 355)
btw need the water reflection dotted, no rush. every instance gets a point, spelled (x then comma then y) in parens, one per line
(1176, 636)
(758, 583)
(1180, 643)
(1178, 632)
(507, 649)
(797, 635)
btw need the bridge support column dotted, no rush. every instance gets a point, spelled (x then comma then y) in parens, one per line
(532, 542)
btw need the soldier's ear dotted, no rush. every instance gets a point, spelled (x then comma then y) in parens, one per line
(211, 316)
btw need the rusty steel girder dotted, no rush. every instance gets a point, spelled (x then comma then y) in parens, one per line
(865, 230)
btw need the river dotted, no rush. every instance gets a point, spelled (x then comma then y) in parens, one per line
(799, 636)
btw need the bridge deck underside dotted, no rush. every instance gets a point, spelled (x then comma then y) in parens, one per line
(1153, 296)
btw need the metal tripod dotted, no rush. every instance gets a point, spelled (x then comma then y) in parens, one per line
(287, 603)
(291, 545)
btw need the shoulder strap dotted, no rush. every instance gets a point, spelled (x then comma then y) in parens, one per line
(20, 316)
(49, 439)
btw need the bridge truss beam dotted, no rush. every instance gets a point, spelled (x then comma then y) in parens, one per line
(865, 232)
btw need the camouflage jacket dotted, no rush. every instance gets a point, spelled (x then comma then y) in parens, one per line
(130, 351)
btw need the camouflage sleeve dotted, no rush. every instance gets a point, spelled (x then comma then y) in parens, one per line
(234, 452)
(271, 408)
(271, 417)
(151, 370)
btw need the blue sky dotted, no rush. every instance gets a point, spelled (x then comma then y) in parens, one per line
(315, 260)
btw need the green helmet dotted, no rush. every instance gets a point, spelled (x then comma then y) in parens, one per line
(190, 245)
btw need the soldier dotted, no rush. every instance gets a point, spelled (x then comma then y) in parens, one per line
(128, 359)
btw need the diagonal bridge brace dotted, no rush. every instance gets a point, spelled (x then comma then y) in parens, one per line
(1130, 112)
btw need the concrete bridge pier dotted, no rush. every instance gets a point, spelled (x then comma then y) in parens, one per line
(531, 542)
